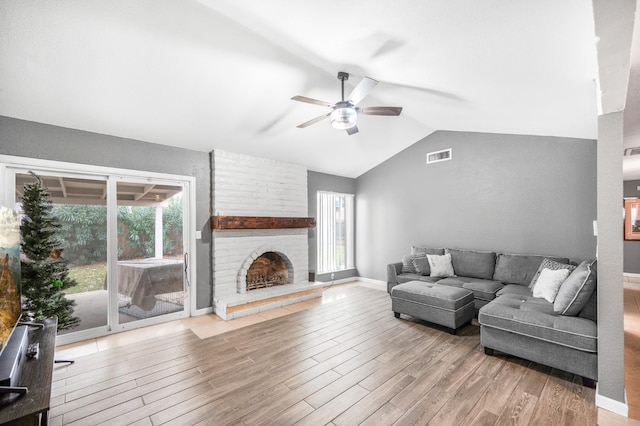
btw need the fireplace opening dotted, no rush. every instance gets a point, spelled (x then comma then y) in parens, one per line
(268, 270)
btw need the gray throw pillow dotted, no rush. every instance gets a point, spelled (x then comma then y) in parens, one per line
(576, 290)
(407, 263)
(590, 311)
(549, 264)
(422, 265)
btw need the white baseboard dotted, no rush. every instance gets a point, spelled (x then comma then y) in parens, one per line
(617, 407)
(351, 279)
(372, 281)
(338, 281)
(630, 274)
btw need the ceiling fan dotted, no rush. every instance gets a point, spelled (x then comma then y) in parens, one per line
(344, 114)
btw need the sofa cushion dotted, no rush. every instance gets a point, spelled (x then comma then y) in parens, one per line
(440, 265)
(534, 317)
(426, 250)
(407, 263)
(550, 264)
(515, 289)
(422, 265)
(471, 263)
(548, 283)
(576, 290)
(519, 268)
(452, 282)
(482, 289)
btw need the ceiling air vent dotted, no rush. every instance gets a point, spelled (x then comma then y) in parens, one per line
(437, 156)
(632, 151)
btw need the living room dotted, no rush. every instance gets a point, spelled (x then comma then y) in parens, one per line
(512, 185)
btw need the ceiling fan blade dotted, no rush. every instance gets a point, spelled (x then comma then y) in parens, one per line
(313, 121)
(361, 90)
(380, 110)
(312, 101)
(352, 130)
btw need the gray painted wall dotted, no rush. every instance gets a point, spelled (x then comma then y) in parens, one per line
(324, 182)
(28, 139)
(631, 248)
(508, 193)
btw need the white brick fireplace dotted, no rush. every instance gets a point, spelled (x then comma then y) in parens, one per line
(250, 186)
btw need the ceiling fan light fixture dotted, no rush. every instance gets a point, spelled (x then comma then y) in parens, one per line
(344, 113)
(344, 117)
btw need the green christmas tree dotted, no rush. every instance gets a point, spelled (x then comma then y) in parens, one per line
(44, 272)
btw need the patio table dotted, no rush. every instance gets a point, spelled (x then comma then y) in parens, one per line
(142, 280)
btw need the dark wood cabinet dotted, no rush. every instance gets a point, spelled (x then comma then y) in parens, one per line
(33, 407)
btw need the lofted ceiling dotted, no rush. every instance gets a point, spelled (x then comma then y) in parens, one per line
(212, 74)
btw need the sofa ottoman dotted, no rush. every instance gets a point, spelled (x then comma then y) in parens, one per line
(450, 307)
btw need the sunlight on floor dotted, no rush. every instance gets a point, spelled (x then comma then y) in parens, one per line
(203, 326)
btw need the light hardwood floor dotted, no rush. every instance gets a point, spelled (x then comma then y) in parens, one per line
(632, 345)
(342, 360)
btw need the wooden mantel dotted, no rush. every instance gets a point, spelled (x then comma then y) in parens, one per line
(261, 222)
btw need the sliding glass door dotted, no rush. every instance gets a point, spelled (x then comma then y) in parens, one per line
(80, 207)
(150, 252)
(125, 240)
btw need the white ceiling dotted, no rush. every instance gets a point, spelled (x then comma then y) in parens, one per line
(220, 74)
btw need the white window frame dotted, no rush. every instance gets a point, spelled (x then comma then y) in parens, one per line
(327, 260)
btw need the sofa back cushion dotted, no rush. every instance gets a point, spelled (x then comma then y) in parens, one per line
(519, 268)
(426, 250)
(474, 264)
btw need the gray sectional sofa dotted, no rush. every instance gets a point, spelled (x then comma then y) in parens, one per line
(561, 334)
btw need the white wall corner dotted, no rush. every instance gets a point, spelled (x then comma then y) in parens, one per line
(617, 407)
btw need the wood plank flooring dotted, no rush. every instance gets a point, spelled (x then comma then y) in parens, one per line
(347, 362)
(632, 344)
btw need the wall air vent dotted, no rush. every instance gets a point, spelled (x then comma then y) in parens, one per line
(437, 156)
(632, 151)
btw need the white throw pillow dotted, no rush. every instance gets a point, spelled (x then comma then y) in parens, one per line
(441, 265)
(549, 282)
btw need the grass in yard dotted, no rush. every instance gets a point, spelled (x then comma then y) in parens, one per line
(88, 277)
